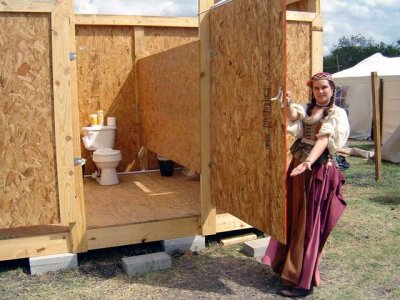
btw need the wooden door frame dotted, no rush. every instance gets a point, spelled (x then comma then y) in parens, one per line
(69, 178)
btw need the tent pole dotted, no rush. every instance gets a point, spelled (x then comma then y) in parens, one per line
(377, 125)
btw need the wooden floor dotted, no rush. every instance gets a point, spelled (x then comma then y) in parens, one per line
(141, 198)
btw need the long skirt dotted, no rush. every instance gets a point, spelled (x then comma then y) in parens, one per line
(314, 205)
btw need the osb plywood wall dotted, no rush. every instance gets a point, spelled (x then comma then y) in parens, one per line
(106, 81)
(169, 104)
(248, 134)
(152, 40)
(298, 63)
(28, 185)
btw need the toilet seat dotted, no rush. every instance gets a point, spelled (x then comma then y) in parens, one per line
(106, 155)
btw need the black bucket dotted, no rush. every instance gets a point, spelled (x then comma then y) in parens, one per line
(166, 167)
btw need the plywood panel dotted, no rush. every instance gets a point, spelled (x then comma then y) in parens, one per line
(28, 194)
(169, 104)
(153, 40)
(158, 39)
(298, 63)
(141, 198)
(106, 81)
(247, 127)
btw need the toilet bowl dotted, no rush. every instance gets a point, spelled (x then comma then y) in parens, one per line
(107, 160)
(100, 140)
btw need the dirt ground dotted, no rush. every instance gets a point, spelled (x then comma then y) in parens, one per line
(216, 272)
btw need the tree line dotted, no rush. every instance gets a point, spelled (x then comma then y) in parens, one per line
(350, 50)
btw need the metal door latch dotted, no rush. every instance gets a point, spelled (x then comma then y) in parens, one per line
(79, 161)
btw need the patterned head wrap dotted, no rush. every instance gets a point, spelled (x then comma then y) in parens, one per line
(319, 76)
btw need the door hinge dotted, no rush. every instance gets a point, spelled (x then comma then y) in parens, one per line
(79, 161)
(72, 56)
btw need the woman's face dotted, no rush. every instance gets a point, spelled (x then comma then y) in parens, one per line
(322, 91)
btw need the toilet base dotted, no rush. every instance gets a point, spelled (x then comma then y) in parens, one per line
(108, 177)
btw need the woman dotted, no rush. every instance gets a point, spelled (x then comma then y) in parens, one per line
(314, 187)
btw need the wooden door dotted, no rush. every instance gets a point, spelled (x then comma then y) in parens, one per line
(248, 61)
(37, 110)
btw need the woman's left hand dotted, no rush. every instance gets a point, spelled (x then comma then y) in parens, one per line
(301, 168)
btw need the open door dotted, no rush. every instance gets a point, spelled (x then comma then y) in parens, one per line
(37, 111)
(248, 130)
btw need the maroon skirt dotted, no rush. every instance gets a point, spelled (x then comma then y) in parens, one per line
(314, 205)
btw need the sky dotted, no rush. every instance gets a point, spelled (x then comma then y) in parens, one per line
(376, 19)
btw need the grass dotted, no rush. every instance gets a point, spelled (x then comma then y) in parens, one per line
(360, 260)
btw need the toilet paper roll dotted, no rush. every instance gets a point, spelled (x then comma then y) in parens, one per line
(111, 121)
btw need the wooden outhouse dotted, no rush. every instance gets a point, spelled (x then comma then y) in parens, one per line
(205, 92)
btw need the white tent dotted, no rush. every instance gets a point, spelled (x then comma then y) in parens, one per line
(356, 97)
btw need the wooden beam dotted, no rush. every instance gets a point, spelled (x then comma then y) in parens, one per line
(376, 125)
(63, 117)
(77, 226)
(381, 97)
(299, 16)
(143, 232)
(238, 239)
(37, 6)
(208, 210)
(34, 246)
(317, 45)
(136, 21)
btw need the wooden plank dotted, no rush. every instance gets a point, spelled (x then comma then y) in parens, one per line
(63, 110)
(78, 226)
(141, 198)
(169, 104)
(143, 152)
(317, 45)
(208, 209)
(248, 128)
(143, 232)
(36, 6)
(300, 16)
(28, 193)
(227, 222)
(120, 20)
(238, 239)
(34, 246)
(376, 126)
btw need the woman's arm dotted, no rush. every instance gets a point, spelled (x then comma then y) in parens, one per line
(316, 151)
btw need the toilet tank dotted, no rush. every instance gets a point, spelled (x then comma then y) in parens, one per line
(98, 137)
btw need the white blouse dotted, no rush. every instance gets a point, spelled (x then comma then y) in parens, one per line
(335, 125)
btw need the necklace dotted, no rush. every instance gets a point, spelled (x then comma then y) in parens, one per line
(323, 105)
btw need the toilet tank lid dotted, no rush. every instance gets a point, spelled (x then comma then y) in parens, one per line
(98, 128)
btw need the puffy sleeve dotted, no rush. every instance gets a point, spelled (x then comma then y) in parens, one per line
(295, 128)
(336, 126)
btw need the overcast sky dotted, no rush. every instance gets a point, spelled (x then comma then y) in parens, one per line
(377, 19)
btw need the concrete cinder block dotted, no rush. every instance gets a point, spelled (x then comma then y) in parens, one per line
(146, 263)
(256, 248)
(193, 243)
(51, 263)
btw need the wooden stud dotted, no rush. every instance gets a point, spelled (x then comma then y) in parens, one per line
(208, 210)
(78, 224)
(30, 6)
(63, 110)
(143, 152)
(376, 125)
(136, 21)
(299, 16)
(317, 45)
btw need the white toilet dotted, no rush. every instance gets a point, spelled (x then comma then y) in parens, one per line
(100, 139)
